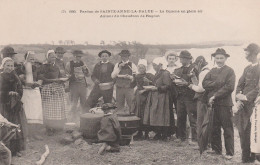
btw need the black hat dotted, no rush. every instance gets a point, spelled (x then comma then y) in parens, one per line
(252, 48)
(8, 51)
(185, 54)
(104, 51)
(77, 53)
(60, 50)
(220, 51)
(124, 53)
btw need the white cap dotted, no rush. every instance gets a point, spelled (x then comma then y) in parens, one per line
(4, 61)
(142, 62)
(160, 60)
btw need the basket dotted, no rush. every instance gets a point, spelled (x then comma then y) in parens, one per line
(106, 86)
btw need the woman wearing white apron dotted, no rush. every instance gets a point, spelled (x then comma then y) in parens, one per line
(32, 96)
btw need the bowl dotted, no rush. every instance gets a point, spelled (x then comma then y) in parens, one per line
(106, 86)
(148, 87)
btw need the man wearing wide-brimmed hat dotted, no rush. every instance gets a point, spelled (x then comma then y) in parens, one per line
(246, 94)
(185, 102)
(77, 83)
(123, 74)
(8, 51)
(101, 76)
(219, 84)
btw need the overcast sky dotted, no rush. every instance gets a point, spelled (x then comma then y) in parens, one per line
(40, 21)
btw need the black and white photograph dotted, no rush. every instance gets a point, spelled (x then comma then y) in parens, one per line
(111, 82)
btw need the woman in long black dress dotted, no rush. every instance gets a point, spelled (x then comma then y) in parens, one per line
(11, 108)
(141, 79)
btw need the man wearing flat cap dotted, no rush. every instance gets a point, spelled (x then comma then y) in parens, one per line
(77, 83)
(59, 51)
(185, 102)
(246, 94)
(219, 83)
(101, 74)
(123, 74)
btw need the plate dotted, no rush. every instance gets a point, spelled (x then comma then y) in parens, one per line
(148, 87)
(64, 79)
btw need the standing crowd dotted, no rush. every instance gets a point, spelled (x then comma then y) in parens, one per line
(33, 94)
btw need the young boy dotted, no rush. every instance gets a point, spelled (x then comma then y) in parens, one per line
(110, 131)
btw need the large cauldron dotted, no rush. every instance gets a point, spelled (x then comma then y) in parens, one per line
(129, 123)
(90, 125)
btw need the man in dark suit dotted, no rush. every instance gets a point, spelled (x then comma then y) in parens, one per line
(186, 105)
(219, 84)
(246, 94)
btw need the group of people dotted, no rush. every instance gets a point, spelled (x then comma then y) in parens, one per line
(35, 94)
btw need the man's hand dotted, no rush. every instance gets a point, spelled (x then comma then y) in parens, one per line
(257, 101)
(154, 88)
(211, 100)
(84, 67)
(239, 105)
(121, 65)
(97, 82)
(241, 97)
(190, 86)
(129, 77)
(182, 83)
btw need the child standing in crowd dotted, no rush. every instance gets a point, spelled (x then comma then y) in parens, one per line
(219, 84)
(53, 94)
(141, 79)
(11, 107)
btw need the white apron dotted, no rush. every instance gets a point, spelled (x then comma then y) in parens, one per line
(255, 130)
(32, 104)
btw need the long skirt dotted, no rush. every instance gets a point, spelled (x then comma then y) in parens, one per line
(32, 104)
(255, 130)
(54, 105)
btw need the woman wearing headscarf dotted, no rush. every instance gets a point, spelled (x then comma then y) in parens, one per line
(11, 108)
(53, 94)
(141, 79)
(31, 99)
(157, 111)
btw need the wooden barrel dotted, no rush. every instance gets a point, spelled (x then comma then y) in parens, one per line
(90, 125)
(129, 123)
